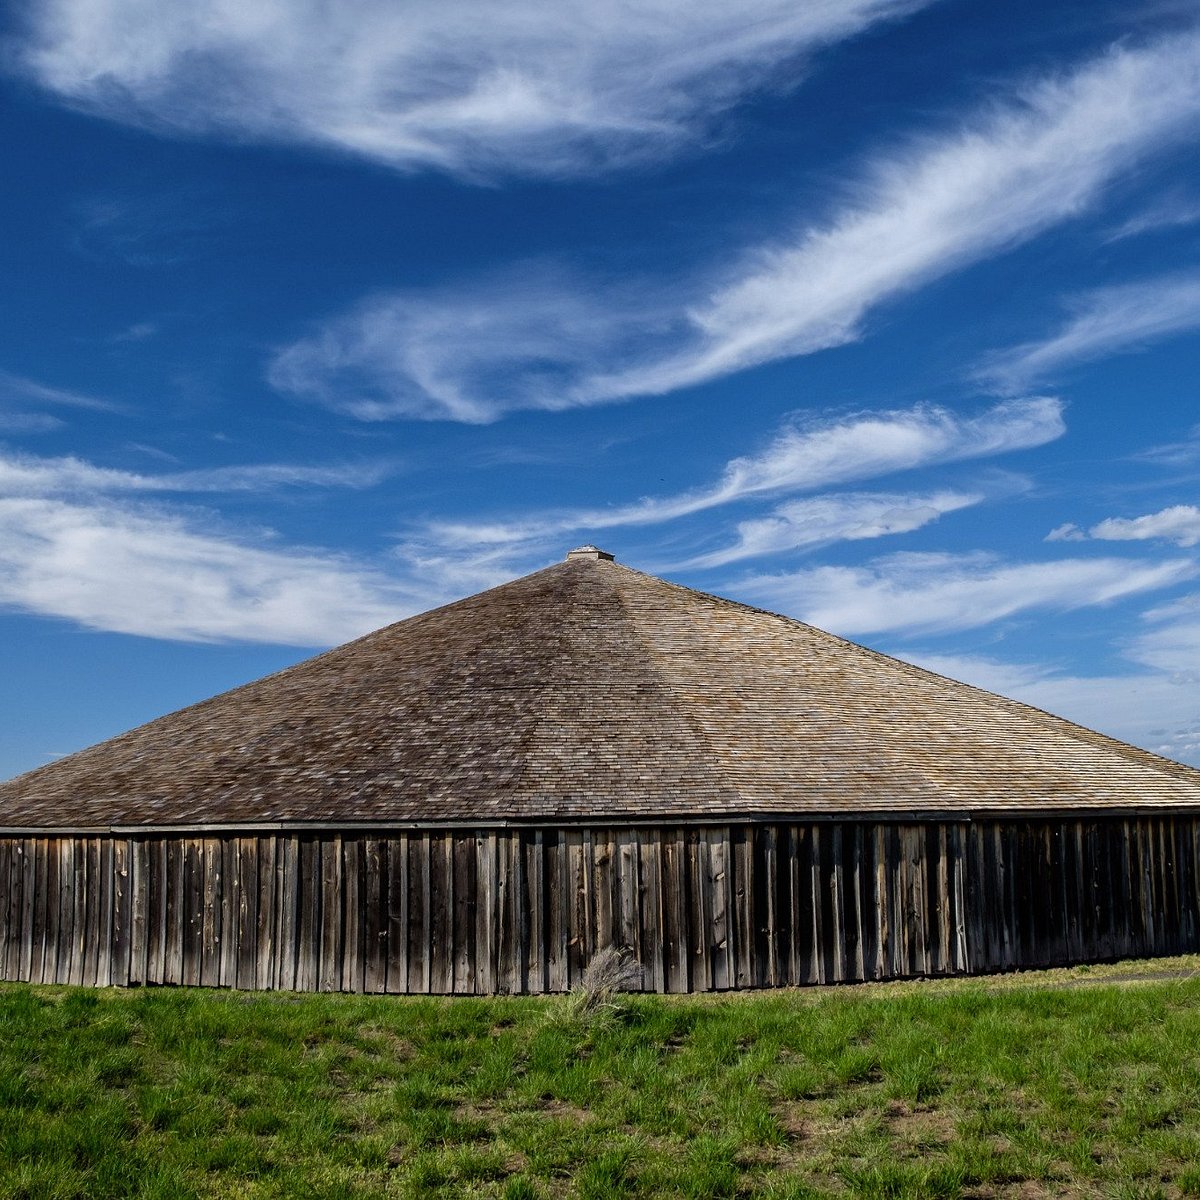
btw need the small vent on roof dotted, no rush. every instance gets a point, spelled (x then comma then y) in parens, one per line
(589, 552)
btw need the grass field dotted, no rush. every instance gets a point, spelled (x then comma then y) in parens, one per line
(1055, 1084)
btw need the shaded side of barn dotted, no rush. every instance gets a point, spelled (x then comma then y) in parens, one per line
(701, 906)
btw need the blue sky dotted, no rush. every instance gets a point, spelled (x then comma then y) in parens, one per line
(883, 314)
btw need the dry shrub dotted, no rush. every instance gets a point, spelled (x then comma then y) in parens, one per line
(611, 971)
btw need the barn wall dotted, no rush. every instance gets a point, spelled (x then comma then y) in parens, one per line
(702, 909)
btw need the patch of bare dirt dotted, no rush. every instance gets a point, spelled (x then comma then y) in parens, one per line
(920, 1124)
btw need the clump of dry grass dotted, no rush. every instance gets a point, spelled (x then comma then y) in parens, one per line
(612, 970)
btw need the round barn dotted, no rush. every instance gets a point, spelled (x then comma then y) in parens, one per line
(479, 798)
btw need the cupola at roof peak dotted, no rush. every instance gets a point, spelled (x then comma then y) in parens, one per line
(593, 552)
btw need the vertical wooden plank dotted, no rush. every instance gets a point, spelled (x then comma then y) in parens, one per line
(246, 865)
(10, 909)
(882, 894)
(374, 914)
(174, 904)
(798, 917)
(576, 890)
(193, 911)
(943, 963)
(266, 925)
(699, 905)
(511, 931)
(79, 916)
(157, 916)
(353, 918)
(288, 904)
(313, 862)
(12, 874)
(29, 881)
(331, 937)
(675, 910)
(558, 899)
(104, 964)
(652, 932)
(120, 909)
(742, 860)
(210, 939)
(228, 901)
(857, 925)
(766, 916)
(837, 902)
(54, 890)
(308, 942)
(41, 903)
(820, 924)
(535, 902)
(463, 937)
(486, 913)
(93, 924)
(961, 962)
(720, 890)
(420, 921)
(441, 902)
(400, 915)
(66, 910)
(139, 944)
(603, 870)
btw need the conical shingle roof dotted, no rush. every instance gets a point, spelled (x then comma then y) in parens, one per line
(590, 691)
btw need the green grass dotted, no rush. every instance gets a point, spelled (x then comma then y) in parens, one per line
(1019, 1087)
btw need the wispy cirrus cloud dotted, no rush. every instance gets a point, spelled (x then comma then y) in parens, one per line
(1105, 321)
(19, 387)
(807, 454)
(1005, 173)
(937, 593)
(469, 87)
(1179, 523)
(29, 475)
(158, 574)
(83, 543)
(839, 517)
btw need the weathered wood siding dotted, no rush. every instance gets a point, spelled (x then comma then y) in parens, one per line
(701, 908)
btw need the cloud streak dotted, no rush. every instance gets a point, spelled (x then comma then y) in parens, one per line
(27, 475)
(1180, 523)
(808, 454)
(1008, 172)
(1106, 321)
(83, 543)
(469, 87)
(939, 593)
(841, 517)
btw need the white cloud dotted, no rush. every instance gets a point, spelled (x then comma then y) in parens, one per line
(467, 87)
(943, 201)
(27, 422)
(1106, 321)
(78, 542)
(1156, 710)
(21, 388)
(525, 340)
(1179, 524)
(935, 593)
(846, 516)
(1172, 211)
(1066, 533)
(153, 574)
(808, 454)
(27, 475)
